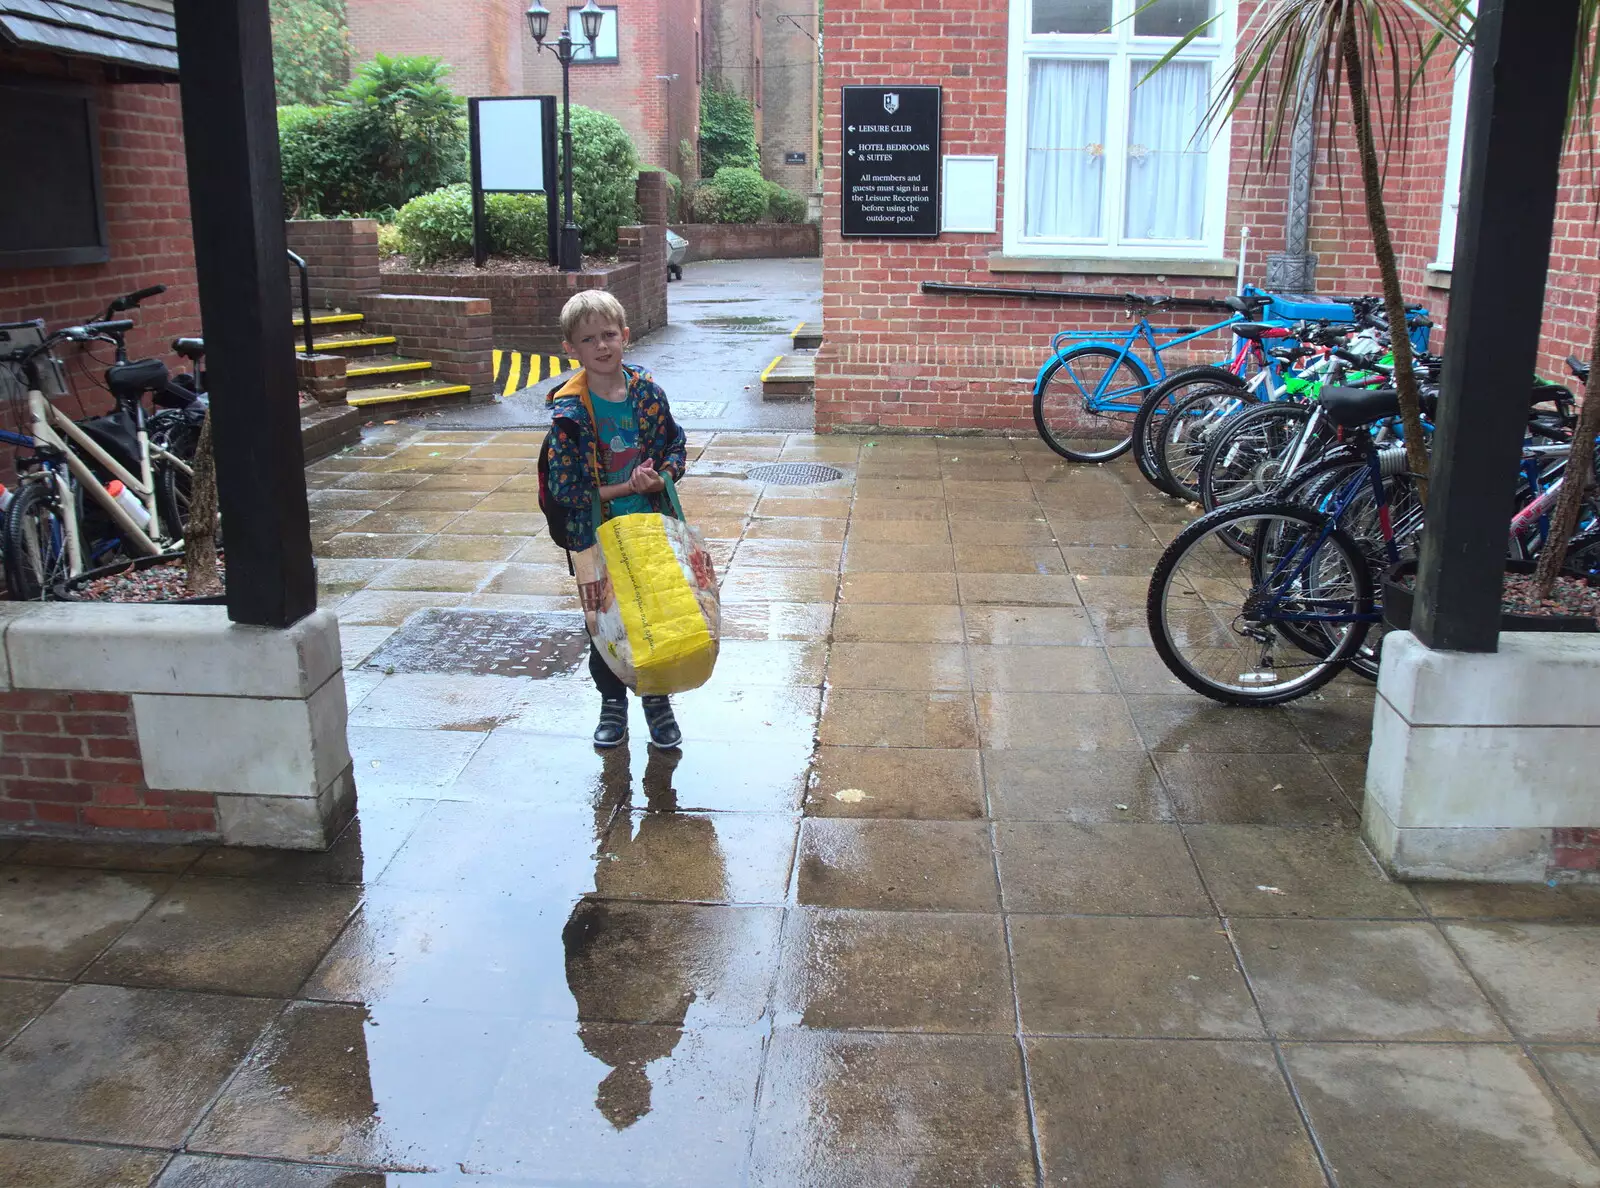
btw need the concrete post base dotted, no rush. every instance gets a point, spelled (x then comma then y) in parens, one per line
(175, 721)
(1482, 764)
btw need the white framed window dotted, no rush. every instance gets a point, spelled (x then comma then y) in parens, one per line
(1101, 161)
(1454, 156)
(605, 45)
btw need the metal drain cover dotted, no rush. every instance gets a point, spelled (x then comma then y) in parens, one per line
(795, 474)
(485, 643)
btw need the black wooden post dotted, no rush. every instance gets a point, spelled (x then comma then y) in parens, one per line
(1516, 115)
(230, 129)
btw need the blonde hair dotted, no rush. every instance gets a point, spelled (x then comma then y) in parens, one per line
(595, 302)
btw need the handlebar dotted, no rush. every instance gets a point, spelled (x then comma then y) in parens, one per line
(132, 300)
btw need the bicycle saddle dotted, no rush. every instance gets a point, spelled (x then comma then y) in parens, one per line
(1250, 307)
(190, 348)
(1349, 408)
(137, 376)
(1256, 331)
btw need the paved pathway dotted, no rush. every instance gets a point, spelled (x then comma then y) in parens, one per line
(1029, 915)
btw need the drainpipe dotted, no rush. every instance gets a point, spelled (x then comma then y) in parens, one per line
(1294, 270)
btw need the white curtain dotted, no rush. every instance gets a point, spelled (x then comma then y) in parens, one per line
(1066, 147)
(1166, 159)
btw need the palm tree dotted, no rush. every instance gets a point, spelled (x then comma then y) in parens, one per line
(1326, 53)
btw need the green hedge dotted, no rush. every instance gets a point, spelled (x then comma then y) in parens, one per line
(605, 178)
(438, 226)
(741, 195)
(393, 133)
(727, 132)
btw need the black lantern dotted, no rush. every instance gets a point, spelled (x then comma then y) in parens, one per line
(571, 251)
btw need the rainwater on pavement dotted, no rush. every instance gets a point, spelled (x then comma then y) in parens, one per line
(950, 885)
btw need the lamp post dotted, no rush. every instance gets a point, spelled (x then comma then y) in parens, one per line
(571, 253)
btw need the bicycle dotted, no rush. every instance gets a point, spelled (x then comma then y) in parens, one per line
(68, 510)
(1309, 578)
(1085, 398)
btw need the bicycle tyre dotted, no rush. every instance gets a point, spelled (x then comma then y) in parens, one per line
(1192, 538)
(1163, 398)
(34, 565)
(1188, 428)
(1234, 467)
(1053, 421)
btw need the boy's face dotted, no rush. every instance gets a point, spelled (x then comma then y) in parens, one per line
(598, 343)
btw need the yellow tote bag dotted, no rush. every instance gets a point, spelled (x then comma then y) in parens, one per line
(649, 594)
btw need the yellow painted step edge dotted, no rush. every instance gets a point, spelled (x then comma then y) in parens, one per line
(330, 319)
(385, 369)
(770, 368)
(335, 344)
(390, 397)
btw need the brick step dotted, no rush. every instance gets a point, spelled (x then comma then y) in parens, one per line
(356, 344)
(328, 428)
(330, 317)
(807, 336)
(790, 377)
(515, 370)
(385, 369)
(403, 397)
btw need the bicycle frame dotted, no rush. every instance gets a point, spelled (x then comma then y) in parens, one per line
(53, 429)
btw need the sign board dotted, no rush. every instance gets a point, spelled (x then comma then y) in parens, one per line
(891, 161)
(971, 188)
(513, 147)
(794, 158)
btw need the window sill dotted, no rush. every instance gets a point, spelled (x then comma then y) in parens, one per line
(1112, 266)
(1436, 276)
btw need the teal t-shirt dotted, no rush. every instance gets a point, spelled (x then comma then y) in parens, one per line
(617, 424)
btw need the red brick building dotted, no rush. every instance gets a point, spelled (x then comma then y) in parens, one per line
(115, 164)
(1099, 188)
(644, 69)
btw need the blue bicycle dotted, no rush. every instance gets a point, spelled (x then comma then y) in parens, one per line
(1086, 398)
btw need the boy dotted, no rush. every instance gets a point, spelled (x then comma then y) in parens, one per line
(634, 444)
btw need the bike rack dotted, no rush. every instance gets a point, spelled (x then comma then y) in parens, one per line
(305, 302)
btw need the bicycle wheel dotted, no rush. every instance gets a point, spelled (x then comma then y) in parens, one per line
(1163, 398)
(36, 543)
(1085, 402)
(1217, 619)
(172, 501)
(1246, 458)
(1189, 427)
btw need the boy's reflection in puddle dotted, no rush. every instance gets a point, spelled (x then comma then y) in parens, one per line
(628, 963)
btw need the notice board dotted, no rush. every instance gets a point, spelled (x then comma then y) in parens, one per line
(891, 161)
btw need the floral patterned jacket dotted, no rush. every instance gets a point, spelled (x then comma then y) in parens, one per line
(573, 444)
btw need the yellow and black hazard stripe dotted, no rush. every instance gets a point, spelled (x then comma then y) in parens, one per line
(515, 370)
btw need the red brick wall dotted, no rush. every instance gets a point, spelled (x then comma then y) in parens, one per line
(526, 308)
(455, 334)
(749, 241)
(71, 760)
(893, 357)
(1577, 851)
(480, 39)
(341, 258)
(145, 179)
(652, 39)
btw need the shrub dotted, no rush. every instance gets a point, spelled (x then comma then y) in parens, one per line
(389, 242)
(438, 226)
(784, 206)
(727, 132)
(605, 172)
(743, 193)
(394, 133)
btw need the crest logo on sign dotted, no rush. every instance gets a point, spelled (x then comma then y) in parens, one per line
(891, 103)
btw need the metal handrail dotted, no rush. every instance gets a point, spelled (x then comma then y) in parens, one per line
(305, 302)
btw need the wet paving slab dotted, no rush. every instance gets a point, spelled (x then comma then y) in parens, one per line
(950, 885)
